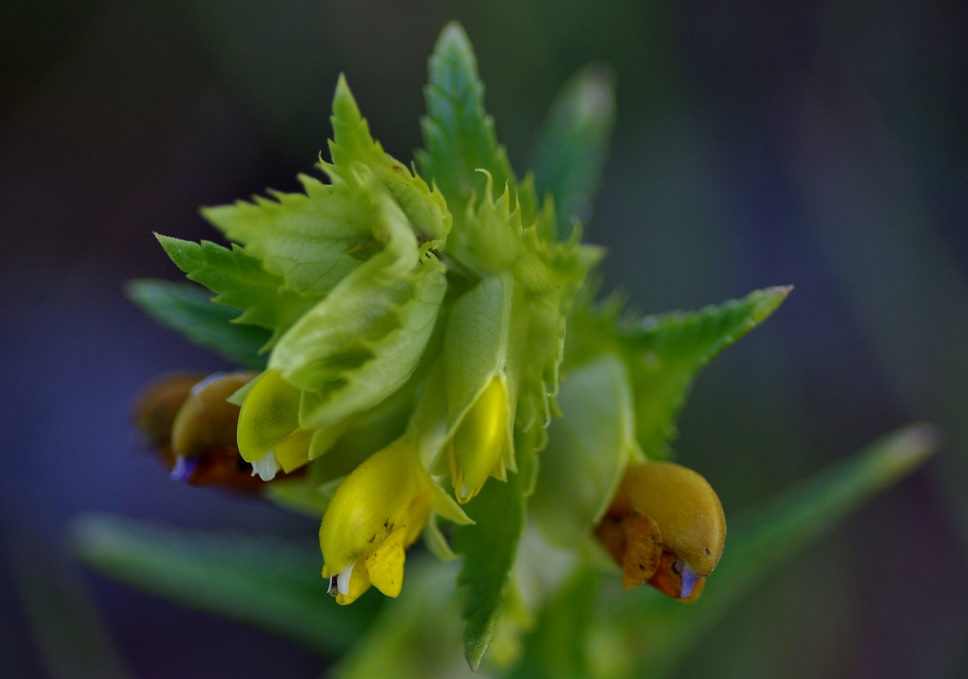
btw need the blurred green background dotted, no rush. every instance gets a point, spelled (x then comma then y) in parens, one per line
(814, 143)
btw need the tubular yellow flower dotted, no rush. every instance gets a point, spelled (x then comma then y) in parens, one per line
(665, 526)
(269, 436)
(481, 444)
(376, 513)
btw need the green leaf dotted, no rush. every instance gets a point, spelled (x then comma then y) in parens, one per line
(364, 340)
(425, 209)
(239, 281)
(266, 582)
(489, 549)
(761, 541)
(311, 240)
(570, 152)
(187, 309)
(664, 353)
(458, 134)
(588, 449)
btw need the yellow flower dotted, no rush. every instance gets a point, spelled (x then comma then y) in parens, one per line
(665, 526)
(376, 513)
(481, 446)
(269, 435)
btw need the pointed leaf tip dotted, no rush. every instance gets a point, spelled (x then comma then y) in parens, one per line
(458, 133)
(769, 300)
(453, 37)
(910, 447)
(343, 97)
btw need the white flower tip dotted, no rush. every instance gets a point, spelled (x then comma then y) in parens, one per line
(343, 579)
(266, 467)
(340, 583)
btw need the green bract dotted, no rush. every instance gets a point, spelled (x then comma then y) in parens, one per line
(412, 329)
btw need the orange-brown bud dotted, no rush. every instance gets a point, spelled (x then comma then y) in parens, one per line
(665, 526)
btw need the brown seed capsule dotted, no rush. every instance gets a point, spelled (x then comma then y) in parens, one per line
(158, 403)
(665, 526)
(192, 427)
(207, 420)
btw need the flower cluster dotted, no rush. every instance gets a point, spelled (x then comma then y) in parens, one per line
(406, 327)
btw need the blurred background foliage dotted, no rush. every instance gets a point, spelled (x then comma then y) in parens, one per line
(814, 143)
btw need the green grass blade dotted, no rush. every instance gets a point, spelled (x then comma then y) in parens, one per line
(571, 149)
(72, 640)
(265, 582)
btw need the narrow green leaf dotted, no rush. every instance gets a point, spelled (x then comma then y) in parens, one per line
(263, 581)
(489, 548)
(760, 541)
(239, 281)
(458, 134)
(70, 635)
(664, 353)
(571, 149)
(364, 340)
(189, 310)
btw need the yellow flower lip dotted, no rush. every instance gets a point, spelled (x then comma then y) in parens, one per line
(480, 446)
(665, 526)
(376, 513)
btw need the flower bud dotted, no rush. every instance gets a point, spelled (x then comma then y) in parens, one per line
(665, 526)
(480, 445)
(157, 405)
(207, 420)
(189, 421)
(269, 436)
